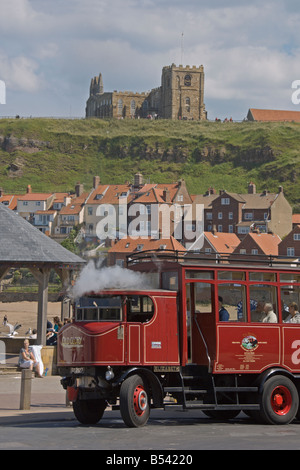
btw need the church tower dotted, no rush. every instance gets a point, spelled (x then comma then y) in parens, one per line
(183, 93)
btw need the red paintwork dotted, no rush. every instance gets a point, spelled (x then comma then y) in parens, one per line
(163, 340)
(124, 343)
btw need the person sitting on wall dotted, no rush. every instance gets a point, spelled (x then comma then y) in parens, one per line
(223, 313)
(27, 359)
(270, 315)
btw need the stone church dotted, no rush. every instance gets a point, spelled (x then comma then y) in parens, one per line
(180, 96)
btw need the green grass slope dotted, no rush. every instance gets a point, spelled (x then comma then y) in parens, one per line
(54, 154)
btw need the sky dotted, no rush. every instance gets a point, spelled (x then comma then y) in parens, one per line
(50, 50)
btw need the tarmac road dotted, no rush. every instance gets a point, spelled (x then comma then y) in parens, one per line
(50, 425)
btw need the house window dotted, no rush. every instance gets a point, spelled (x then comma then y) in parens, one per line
(230, 228)
(25, 203)
(209, 215)
(180, 197)
(296, 236)
(243, 251)
(207, 250)
(230, 215)
(254, 251)
(291, 251)
(243, 229)
(90, 211)
(248, 215)
(140, 247)
(225, 201)
(220, 215)
(38, 203)
(220, 228)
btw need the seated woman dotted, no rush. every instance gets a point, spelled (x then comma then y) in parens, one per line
(27, 359)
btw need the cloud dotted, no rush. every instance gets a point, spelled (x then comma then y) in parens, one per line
(20, 73)
(250, 51)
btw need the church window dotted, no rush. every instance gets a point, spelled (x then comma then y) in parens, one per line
(132, 107)
(187, 80)
(188, 104)
(120, 107)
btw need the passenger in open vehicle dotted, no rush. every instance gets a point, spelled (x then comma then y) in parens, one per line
(223, 313)
(294, 315)
(270, 314)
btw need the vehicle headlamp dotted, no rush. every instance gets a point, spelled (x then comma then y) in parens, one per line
(109, 375)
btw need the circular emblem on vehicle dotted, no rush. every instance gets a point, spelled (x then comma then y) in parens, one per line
(249, 343)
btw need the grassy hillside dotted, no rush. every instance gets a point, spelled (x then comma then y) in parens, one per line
(54, 154)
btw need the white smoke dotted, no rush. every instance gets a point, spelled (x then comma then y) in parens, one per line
(113, 277)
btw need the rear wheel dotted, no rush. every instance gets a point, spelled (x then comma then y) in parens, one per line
(89, 411)
(279, 401)
(134, 402)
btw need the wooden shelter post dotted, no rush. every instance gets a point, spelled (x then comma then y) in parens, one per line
(42, 276)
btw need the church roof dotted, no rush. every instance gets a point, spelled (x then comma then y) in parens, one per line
(22, 243)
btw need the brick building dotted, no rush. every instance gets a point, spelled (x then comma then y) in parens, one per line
(290, 246)
(258, 244)
(238, 213)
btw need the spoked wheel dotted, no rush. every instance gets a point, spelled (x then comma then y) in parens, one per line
(134, 402)
(89, 411)
(279, 401)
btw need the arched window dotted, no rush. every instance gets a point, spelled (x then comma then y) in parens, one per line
(132, 107)
(188, 104)
(120, 107)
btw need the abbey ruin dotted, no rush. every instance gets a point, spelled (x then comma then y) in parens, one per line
(180, 96)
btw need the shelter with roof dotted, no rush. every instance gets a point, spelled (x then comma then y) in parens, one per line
(24, 246)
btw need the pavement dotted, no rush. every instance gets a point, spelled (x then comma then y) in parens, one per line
(48, 398)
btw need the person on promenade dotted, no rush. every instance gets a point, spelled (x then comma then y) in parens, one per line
(27, 359)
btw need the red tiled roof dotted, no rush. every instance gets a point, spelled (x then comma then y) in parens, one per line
(267, 242)
(222, 242)
(275, 115)
(111, 194)
(35, 197)
(129, 245)
(296, 218)
(10, 201)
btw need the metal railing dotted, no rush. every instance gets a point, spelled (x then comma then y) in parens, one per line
(211, 258)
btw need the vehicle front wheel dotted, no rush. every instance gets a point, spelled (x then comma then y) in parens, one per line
(134, 402)
(279, 401)
(89, 411)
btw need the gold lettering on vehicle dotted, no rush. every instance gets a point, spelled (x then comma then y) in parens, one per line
(71, 341)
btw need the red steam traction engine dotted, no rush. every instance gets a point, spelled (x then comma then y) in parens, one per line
(169, 346)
